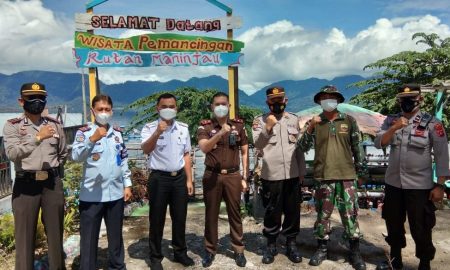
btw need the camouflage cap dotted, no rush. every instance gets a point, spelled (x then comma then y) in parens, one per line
(276, 91)
(329, 89)
(408, 90)
(34, 88)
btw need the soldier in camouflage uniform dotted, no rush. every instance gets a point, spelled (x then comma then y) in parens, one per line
(337, 162)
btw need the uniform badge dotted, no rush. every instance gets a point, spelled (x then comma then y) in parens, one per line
(292, 138)
(344, 127)
(95, 156)
(439, 129)
(79, 137)
(117, 139)
(256, 124)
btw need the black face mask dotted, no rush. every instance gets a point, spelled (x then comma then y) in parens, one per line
(408, 104)
(34, 106)
(277, 107)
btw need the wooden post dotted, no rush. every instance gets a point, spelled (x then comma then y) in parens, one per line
(232, 70)
(93, 79)
(233, 81)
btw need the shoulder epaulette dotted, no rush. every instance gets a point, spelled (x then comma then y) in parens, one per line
(51, 119)
(15, 120)
(84, 128)
(238, 120)
(118, 129)
(183, 124)
(205, 122)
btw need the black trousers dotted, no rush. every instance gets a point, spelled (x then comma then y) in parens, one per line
(164, 190)
(91, 215)
(281, 197)
(414, 203)
(28, 197)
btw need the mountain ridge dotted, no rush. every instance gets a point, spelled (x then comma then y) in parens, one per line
(66, 88)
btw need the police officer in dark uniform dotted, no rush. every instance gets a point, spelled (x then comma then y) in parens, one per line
(221, 138)
(413, 136)
(37, 146)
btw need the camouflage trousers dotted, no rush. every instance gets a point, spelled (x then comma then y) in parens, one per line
(343, 195)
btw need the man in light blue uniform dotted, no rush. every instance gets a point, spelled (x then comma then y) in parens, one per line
(105, 185)
(168, 145)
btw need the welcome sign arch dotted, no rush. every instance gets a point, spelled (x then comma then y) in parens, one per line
(161, 48)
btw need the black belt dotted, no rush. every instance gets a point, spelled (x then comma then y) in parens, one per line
(221, 171)
(38, 175)
(173, 174)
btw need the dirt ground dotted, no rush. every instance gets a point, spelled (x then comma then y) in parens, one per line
(373, 246)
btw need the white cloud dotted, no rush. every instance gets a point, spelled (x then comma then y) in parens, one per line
(295, 53)
(418, 5)
(32, 37)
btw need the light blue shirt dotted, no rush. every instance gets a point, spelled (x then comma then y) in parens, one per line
(170, 147)
(105, 165)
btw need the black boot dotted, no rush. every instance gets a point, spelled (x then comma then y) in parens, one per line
(292, 251)
(396, 261)
(321, 253)
(355, 255)
(270, 252)
(424, 264)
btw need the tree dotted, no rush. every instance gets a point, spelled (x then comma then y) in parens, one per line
(428, 67)
(193, 106)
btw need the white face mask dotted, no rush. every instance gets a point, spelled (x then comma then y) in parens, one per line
(328, 105)
(103, 118)
(221, 111)
(167, 113)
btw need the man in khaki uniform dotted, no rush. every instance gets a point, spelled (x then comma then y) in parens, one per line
(221, 138)
(37, 146)
(415, 139)
(275, 135)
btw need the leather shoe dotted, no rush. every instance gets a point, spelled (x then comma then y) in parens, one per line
(269, 254)
(156, 266)
(292, 252)
(240, 259)
(208, 259)
(184, 259)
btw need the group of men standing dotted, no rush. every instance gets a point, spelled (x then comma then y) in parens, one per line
(37, 146)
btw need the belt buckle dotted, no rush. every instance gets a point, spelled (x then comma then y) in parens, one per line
(173, 173)
(41, 175)
(224, 171)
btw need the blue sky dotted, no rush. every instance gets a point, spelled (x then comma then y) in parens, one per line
(285, 39)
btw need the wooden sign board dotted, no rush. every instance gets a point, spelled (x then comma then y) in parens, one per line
(88, 58)
(87, 21)
(157, 42)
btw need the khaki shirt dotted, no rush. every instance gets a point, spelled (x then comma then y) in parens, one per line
(410, 157)
(223, 155)
(281, 159)
(26, 153)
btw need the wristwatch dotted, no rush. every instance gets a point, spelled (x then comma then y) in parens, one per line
(38, 139)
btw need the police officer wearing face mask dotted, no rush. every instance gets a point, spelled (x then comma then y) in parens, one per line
(412, 136)
(275, 134)
(221, 138)
(167, 143)
(36, 144)
(338, 161)
(105, 185)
